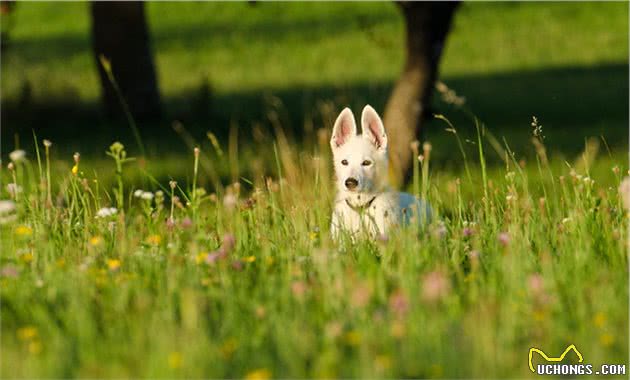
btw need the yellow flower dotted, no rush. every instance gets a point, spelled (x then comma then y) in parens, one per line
(312, 235)
(27, 257)
(259, 374)
(23, 231)
(113, 264)
(249, 259)
(96, 241)
(201, 257)
(606, 340)
(175, 360)
(27, 332)
(599, 319)
(75, 169)
(269, 260)
(154, 239)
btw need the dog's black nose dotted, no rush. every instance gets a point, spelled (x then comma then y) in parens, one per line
(351, 183)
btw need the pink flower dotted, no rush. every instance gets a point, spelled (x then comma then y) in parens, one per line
(398, 303)
(9, 271)
(535, 283)
(226, 247)
(237, 265)
(468, 231)
(298, 288)
(186, 223)
(504, 238)
(440, 231)
(170, 224)
(229, 242)
(435, 286)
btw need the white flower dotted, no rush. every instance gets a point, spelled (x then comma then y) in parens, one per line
(566, 220)
(13, 189)
(17, 155)
(147, 195)
(138, 193)
(6, 207)
(106, 211)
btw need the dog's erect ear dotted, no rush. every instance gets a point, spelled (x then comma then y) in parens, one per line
(373, 128)
(345, 127)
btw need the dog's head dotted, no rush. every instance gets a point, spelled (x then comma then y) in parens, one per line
(360, 160)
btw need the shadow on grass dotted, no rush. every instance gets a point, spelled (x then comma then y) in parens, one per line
(572, 103)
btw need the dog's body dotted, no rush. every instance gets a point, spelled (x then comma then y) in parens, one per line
(365, 204)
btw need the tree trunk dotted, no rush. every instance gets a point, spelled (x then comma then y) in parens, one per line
(119, 32)
(426, 27)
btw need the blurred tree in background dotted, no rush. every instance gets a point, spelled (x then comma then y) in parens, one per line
(119, 33)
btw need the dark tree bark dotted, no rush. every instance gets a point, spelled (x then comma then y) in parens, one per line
(119, 32)
(426, 27)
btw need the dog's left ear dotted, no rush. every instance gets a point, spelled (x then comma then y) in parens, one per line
(373, 128)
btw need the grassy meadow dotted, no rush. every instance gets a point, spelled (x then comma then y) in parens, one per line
(217, 262)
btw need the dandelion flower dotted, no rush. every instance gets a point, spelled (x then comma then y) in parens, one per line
(27, 333)
(113, 264)
(96, 241)
(23, 231)
(258, 374)
(154, 239)
(249, 259)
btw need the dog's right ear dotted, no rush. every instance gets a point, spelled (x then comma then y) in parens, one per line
(345, 127)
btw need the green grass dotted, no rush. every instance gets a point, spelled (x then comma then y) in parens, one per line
(130, 296)
(542, 265)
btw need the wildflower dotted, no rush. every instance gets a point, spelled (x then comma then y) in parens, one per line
(113, 264)
(174, 360)
(106, 212)
(398, 303)
(6, 207)
(186, 223)
(26, 257)
(298, 288)
(172, 184)
(258, 374)
(147, 195)
(154, 239)
(467, 231)
(435, 286)
(474, 254)
(23, 231)
(415, 145)
(535, 283)
(17, 155)
(95, 241)
(9, 271)
(13, 189)
(504, 238)
(47, 143)
(249, 259)
(27, 333)
(566, 220)
(624, 192)
(138, 193)
(230, 201)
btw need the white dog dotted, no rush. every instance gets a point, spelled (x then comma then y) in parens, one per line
(364, 202)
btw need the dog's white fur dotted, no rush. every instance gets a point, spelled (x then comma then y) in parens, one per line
(371, 207)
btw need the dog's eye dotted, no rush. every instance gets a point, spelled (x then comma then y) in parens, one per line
(366, 163)
(344, 162)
